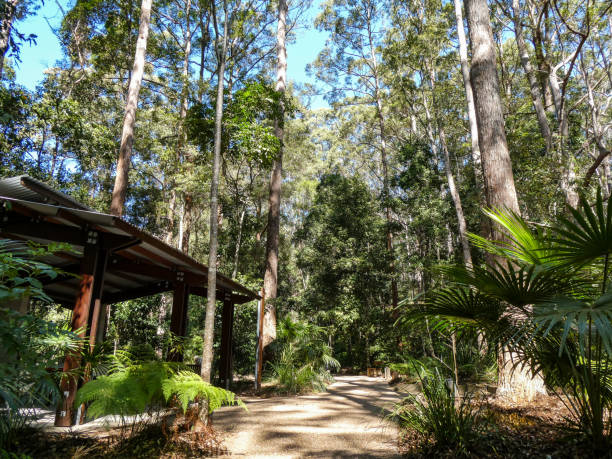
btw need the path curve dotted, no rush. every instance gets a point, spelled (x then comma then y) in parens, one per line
(345, 421)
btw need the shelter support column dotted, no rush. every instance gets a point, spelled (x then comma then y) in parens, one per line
(178, 321)
(227, 331)
(92, 269)
(97, 311)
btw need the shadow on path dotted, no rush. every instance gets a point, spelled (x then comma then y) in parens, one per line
(345, 421)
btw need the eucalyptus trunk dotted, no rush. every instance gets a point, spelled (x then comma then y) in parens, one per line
(211, 299)
(8, 10)
(534, 84)
(182, 135)
(450, 179)
(272, 242)
(129, 119)
(469, 95)
(497, 167)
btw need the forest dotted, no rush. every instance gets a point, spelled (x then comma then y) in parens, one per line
(436, 199)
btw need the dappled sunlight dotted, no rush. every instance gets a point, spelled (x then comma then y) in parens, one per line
(347, 420)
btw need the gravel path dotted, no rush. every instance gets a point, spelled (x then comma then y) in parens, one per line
(345, 421)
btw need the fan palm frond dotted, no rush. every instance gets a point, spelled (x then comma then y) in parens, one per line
(587, 236)
(517, 285)
(461, 306)
(584, 317)
(521, 244)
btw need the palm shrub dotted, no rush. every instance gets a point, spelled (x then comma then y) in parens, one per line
(304, 359)
(547, 299)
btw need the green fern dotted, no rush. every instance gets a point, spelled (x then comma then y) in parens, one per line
(129, 390)
(133, 387)
(189, 387)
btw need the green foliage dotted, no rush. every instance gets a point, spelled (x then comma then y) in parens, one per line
(549, 304)
(133, 387)
(29, 345)
(345, 258)
(129, 389)
(303, 359)
(189, 387)
(20, 271)
(424, 367)
(437, 415)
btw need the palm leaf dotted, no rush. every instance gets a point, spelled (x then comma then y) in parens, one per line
(463, 306)
(574, 314)
(587, 236)
(520, 244)
(516, 285)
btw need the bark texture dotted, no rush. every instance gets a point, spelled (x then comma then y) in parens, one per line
(271, 274)
(497, 167)
(8, 10)
(211, 299)
(514, 383)
(129, 119)
(469, 95)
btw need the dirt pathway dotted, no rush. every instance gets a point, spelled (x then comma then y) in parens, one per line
(345, 421)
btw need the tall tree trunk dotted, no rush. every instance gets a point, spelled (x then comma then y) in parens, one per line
(272, 242)
(182, 135)
(497, 167)
(238, 242)
(7, 10)
(127, 134)
(534, 85)
(383, 159)
(211, 299)
(452, 187)
(469, 95)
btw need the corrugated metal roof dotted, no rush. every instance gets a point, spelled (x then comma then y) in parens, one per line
(29, 189)
(140, 263)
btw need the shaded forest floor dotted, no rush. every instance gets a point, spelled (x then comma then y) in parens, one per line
(345, 421)
(538, 428)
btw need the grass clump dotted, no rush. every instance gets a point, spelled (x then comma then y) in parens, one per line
(438, 418)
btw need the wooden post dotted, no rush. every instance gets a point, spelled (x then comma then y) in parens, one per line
(97, 313)
(259, 355)
(178, 321)
(225, 362)
(92, 274)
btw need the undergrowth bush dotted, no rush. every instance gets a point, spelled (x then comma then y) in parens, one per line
(304, 359)
(29, 345)
(133, 388)
(437, 415)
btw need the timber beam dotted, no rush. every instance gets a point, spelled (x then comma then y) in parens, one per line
(35, 229)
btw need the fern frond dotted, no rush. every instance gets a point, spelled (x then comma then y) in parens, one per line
(189, 387)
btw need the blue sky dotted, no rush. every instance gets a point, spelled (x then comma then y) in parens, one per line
(36, 58)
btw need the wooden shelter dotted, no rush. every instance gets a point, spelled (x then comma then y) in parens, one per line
(110, 261)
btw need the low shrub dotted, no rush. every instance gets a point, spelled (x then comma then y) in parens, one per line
(135, 387)
(438, 415)
(304, 359)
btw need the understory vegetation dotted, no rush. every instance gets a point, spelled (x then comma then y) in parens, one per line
(304, 360)
(418, 185)
(545, 303)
